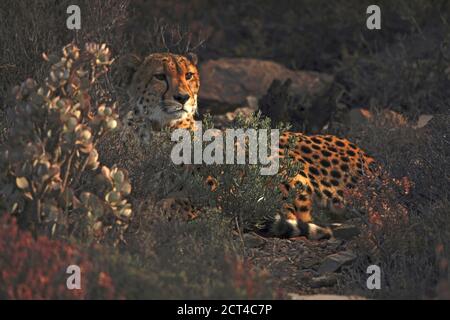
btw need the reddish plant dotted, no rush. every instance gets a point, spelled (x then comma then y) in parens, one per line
(36, 268)
(380, 197)
(246, 279)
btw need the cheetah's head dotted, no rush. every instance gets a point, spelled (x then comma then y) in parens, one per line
(163, 87)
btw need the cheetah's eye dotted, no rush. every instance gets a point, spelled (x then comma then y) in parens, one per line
(160, 76)
(189, 75)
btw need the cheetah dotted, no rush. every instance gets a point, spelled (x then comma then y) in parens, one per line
(163, 89)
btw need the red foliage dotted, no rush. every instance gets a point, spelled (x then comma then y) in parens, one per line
(36, 268)
(246, 279)
(379, 196)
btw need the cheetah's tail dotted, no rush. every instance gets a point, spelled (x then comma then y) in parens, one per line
(289, 228)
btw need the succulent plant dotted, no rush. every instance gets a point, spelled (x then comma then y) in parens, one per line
(52, 145)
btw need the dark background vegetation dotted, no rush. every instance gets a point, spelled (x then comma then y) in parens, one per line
(404, 67)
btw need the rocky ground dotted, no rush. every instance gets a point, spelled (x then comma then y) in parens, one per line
(303, 267)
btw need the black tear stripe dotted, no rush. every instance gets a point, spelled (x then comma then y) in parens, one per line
(177, 65)
(166, 80)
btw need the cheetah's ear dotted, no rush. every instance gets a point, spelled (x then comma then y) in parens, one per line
(192, 58)
(126, 68)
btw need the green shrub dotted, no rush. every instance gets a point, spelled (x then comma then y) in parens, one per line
(245, 196)
(53, 142)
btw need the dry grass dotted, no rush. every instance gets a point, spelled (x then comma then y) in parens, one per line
(408, 228)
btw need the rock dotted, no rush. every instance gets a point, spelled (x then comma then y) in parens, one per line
(346, 232)
(361, 116)
(334, 243)
(252, 103)
(422, 121)
(335, 261)
(358, 116)
(222, 121)
(252, 240)
(232, 81)
(309, 263)
(304, 111)
(306, 275)
(392, 117)
(295, 296)
(327, 280)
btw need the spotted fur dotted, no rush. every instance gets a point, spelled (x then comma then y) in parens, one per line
(162, 89)
(330, 165)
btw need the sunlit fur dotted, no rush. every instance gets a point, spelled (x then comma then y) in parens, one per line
(155, 84)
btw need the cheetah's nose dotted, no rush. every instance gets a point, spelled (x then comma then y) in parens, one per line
(181, 98)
